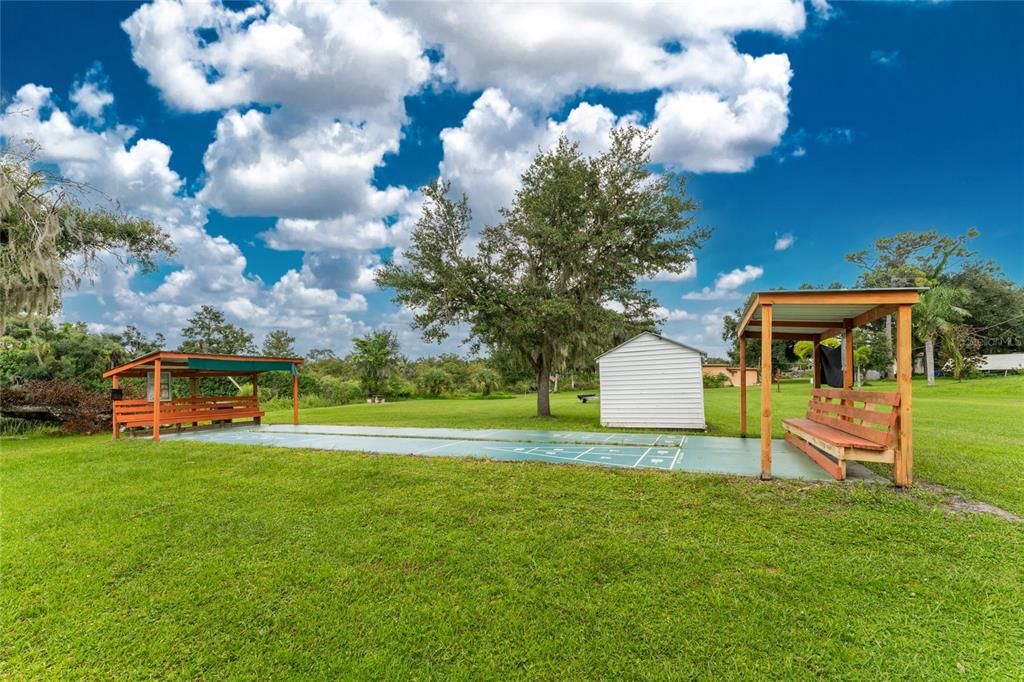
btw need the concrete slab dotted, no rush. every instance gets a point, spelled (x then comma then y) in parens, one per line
(669, 452)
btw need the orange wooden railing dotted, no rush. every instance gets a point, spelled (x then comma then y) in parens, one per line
(186, 410)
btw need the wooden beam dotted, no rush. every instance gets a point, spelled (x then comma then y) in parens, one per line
(796, 323)
(295, 399)
(817, 363)
(743, 386)
(782, 336)
(864, 318)
(766, 393)
(874, 314)
(156, 399)
(134, 363)
(754, 306)
(841, 297)
(903, 466)
(174, 355)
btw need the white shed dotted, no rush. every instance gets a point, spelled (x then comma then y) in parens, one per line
(652, 382)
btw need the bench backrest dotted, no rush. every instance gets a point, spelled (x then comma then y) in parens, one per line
(835, 407)
(185, 407)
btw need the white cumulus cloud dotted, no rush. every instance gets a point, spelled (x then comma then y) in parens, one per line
(91, 96)
(727, 284)
(785, 241)
(323, 56)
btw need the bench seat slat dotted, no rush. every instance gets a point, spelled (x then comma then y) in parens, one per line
(856, 430)
(186, 408)
(829, 433)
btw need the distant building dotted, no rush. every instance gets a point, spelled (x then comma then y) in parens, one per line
(733, 374)
(1002, 362)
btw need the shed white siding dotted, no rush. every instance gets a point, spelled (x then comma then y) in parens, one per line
(652, 382)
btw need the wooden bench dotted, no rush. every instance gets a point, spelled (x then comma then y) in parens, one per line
(180, 411)
(835, 430)
(584, 397)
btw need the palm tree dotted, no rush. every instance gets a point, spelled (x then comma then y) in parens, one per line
(934, 317)
(376, 355)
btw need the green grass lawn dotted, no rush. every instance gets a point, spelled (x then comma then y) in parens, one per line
(134, 559)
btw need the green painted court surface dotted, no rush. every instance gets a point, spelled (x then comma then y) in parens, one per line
(671, 452)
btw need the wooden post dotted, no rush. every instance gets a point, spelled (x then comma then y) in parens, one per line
(256, 396)
(766, 392)
(847, 354)
(115, 383)
(156, 399)
(817, 363)
(903, 463)
(743, 386)
(193, 385)
(295, 399)
(847, 363)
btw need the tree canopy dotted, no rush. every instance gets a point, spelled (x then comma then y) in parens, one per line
(52, 231)
(208, 332)
(911, 259)
(557, 279)
(279, 344)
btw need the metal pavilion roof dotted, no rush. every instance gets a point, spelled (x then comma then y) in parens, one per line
(819, 313)
(201, 364)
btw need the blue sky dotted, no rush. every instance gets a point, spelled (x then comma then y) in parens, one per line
(283, 146)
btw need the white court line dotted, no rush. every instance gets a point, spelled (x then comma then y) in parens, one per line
(293, 441)
(436, 447)
(610, 437)
(674, 459)
(583, 453)
(574, 460)
(642, 456)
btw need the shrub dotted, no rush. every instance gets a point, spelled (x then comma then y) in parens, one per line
(715, 380)
(340, 391)
(55, 400)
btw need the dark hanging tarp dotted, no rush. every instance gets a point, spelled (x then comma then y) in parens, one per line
(240, 366)
(831, 365)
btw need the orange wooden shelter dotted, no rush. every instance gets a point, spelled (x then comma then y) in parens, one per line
(833, 432)
(156, 410)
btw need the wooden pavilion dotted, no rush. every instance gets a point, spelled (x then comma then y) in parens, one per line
(835, 429)
(161, 408)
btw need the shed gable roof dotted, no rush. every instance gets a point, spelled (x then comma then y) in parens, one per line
(651, 334)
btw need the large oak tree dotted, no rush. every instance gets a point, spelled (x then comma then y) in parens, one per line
(556, 281)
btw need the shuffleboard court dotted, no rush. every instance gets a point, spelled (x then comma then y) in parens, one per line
(703, 454)
(576, 437)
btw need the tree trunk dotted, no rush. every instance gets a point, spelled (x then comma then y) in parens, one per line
(543, 388)
(929, 361)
